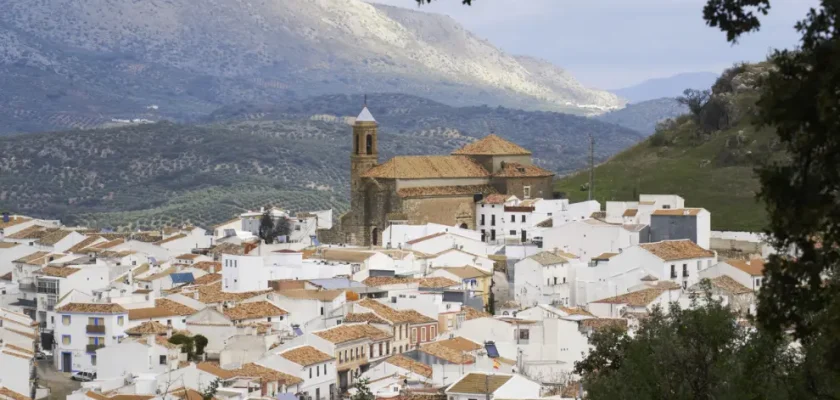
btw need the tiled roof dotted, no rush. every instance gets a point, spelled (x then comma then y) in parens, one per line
(253, 310)
(59, 272)
(364, 317)
(447, 353)
(207, 279)
(432, 191)
(187, 256)
(466, 272)
(549, 223)
(472, 313)
(388, 280)
(54, 237)
(575, 311)
(548, 258)
(18, 355)
(206, 266)
(510, 304)
(460, 344)
(32, 257)
(604, 256)
(163, 308)
(601, 323)
(32, 232)
(492, 145)
(495, 199)
(639, 298)
(107, 245)
(91, 308)
(630, 212)
(306, 355)
(395, 316)
(427, 167)
(212, 293)
(142, 269)
(13, 220)
(437, 282)
(7, 277)
(346, 255)
(171, 239)
(213, 368)
(24, 334)
(265, 374)
(347, 333)
(227, 248)
(754, 267)
(425, 238)
(188, 394)
(476, 383)
(671, 250)
(8, 245)
(410, 365)
(516, 170)
(148, 328)
(159, 275)
(100, 396)
(725, 282)
(20, 349)
(678, 211)
(306, 294)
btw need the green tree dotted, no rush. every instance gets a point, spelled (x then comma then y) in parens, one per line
(185, 342)
(799, 99)
(281, 228)
(266, 232)
(200, 343)
(362, 391)
(211, 390)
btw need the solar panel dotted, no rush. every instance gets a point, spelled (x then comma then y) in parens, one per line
(492, 352)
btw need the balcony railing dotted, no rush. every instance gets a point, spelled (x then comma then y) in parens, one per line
(27, 287)
(91, 348)
(97, 329)
(48, 290)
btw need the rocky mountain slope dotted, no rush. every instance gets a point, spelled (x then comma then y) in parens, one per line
(295, 155)
(671, 86)
(708, 163)
(68, 63)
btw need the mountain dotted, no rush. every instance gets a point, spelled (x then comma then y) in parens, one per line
(293, 154)
(79, 64)
(710, 167)
(667, 87)
(642, 117)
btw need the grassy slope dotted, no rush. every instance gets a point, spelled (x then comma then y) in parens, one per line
(716, 173)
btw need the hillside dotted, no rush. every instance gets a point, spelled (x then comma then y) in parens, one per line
(642, 117)
(671, 86)
(294, 155)
(79, 64)
(709, 168)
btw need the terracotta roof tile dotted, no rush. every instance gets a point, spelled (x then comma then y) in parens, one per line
(447, 353)
(575, 311)
(374, 281)
(254, 310)
(59, 272)
(347, 333)
(639, 298)
(725, 282)
(546, 258)
(410, 365)
(100, 396)
(476, 383)
(671, 250)
(265, 374)
(491, 145)
(13, 220)
(495, 199)
(516, 170)
(18, 355)
(148, 328)
(437, 282)
(631, 212)
(32, 232)
(212, 293)
(208, 279)
(472, 313)
(346, 255)
(24, 334)
(20, 349)
(213, 368)
(601, 323)
(171, 239)
(159, 275)
(604, 256)
(32, 257)
(207, 266)
(6, 392)
(466, 272)
(460, 344)
(54, 237)
(754, 267)
(92, 308)
(163, 308)
(365, 317)
(426, 167)
(187, 256)
(395, 316)
(432, 191)
(306, 355)
(548, 223)
(306, 294)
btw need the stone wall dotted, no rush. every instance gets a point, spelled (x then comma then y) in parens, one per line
(441, 210)
(541, 187)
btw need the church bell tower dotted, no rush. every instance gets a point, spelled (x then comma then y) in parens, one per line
(365, 152)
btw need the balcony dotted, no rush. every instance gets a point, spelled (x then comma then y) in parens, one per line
(95, 329)
(27, 287)
(91, 348)
(47, 289)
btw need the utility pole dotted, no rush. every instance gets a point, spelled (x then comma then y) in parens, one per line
(591, 164)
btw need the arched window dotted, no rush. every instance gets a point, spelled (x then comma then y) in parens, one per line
(464, 226)
(369, 144)
(374, 236)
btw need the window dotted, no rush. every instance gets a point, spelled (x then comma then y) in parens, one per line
(666, 206)
(120, 320)
(513, 218)
(513, 232)
(673, 271)
(526, 192)
(65, 339)
(413, 335)
(564, 279)
(345, 355)
(483, 235)
(482, 219)
(380, 350)
(297, 227)
(268, 319)
(340, 358)
(93, 359)
(685, 270)
(387, 348)
(555, 280)
(325, 369)
(357, 352)
(548, 282)
(169, 322)
(423, 334)
(163, 360)
(65, 320)
(493, 220)
(493, 234)
(371, 350)
(685, 284)
(523, 218)
(310, 373)
(322, 310)
(524, 334)
(431, 332)
(758, 282)
(698, 265)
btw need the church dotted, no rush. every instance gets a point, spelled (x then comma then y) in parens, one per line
(440, 189)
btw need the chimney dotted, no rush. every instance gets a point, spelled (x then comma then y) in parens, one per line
(195, 295)
(213, 268)
(150, 339)
(169, 331)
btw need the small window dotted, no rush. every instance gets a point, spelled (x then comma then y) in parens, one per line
(526, 192)
(163, 360)
(513, 232)
(65, 339)
(93, 359)
(120, 320)
(65, 320)
(523, 217)
(524, 334)
(268, 319)
(310, 373)
(322, 310)
(555, 280)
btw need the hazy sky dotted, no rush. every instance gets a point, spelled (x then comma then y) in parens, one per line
(611, 44)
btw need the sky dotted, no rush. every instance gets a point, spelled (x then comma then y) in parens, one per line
(611, 44)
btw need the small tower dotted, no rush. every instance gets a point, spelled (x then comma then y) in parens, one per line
(365, 152)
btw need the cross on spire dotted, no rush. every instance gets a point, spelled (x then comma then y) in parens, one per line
(365, 99)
